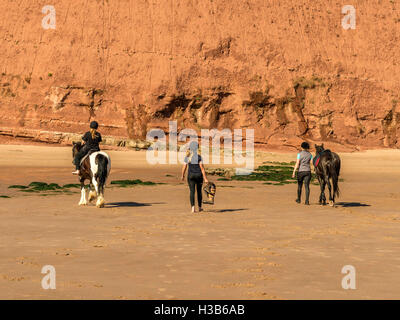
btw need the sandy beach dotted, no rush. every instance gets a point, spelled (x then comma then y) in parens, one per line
(254, 243)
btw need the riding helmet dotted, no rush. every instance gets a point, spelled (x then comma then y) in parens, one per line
(94, 125)
(305, 145)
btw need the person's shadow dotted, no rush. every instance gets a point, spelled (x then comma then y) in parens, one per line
(351, 204)
(129, 204)
(224, 210)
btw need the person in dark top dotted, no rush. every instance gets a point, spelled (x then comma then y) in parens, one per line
(90, 141)
(304, 175)
(196, 174)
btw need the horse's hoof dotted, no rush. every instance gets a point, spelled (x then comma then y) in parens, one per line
(82, 203)
(92, 196)
(331, 203)
(100, 202)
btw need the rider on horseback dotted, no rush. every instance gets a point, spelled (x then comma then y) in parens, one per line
(91, 140)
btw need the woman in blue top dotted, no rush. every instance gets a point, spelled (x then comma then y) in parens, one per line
(196, 174)
(304, 158)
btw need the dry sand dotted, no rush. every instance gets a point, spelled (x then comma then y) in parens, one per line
(254, 243)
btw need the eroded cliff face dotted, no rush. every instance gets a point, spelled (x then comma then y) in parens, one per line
(285, 68)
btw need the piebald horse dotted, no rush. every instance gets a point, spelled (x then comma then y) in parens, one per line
(95, 168)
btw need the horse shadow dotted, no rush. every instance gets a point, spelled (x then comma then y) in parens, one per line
(352, 204)
(225, 210)
(129, 204)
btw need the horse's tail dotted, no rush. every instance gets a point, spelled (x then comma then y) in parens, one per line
(102, 171)
(338, 162)
(334, 170)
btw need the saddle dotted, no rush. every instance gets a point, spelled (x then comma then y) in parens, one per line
(318, 157)
(209, 190)
(87, 155)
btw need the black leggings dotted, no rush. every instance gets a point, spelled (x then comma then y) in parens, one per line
(78, 157)
(195, 180)
(303, 176)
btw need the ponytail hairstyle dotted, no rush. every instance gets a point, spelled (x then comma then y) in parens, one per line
(189, 155)
(93, 127)
(93, 132)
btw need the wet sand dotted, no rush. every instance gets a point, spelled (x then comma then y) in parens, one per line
(254, 243)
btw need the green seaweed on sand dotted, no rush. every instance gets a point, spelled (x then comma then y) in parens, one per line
(276, 174)
(292, 163)
(37, 187)
(270, 173)
(276, 183)
(5, 197)
(43, 186)
(17, 186)
(71, 185)
(128, 183)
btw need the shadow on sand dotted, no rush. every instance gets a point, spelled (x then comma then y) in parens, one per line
(224, 210)
(129, 204)
(351, 204)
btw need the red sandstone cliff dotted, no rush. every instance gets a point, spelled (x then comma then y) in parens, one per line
(285, 68)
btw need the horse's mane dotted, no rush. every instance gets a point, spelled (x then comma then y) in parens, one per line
(320, 149)
(326, 153)
(77, 145)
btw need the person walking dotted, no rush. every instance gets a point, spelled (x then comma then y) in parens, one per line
(196, 174)
(304, 158)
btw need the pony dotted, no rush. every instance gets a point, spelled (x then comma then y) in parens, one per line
(95, 167)
(327, 166)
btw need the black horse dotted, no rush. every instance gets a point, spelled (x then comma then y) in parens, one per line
(327, 166)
